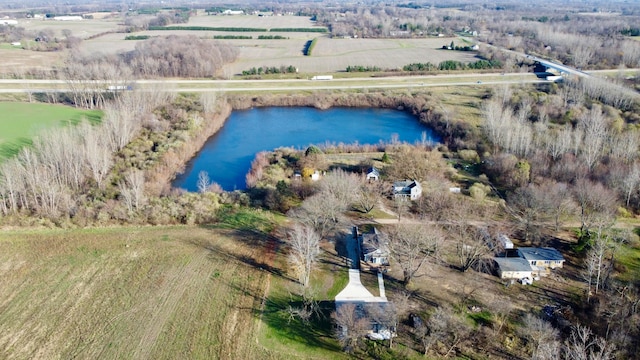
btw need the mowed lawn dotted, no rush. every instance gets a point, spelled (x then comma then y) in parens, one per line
(132, 293)
(20, 122)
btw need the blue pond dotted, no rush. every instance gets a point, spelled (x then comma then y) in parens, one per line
(227, 155)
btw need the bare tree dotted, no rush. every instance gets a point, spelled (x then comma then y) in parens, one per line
(541, 336)
(596, 260)
(558, 141)
(351, 325)
(368, 195)
(322, 213)
(305, 249)
(595, 132)
(341, 185)
(471, 247)
(132, 189)
(410, 162)
(626, 178)
(558, 201)
(584, 345)
(582, 55)
(528, 208)
(443, 327)
(412, 245)
(501, 308)
(596, 204)
(97, 152)
(203, 182)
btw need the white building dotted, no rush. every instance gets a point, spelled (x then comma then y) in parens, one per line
(407, 189)
(513, 268)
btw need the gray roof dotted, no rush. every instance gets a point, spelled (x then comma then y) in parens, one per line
(371, 242)
(512, 264)
(546, 253)
(405, 183)
(373, 171)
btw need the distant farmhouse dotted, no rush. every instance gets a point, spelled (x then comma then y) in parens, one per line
(407, 189)
(68, 18)
(233, 12)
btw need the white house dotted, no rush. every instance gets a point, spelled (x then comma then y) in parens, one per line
(407, 189)
(373, 248)
(513, 268)
(542, 258)
(373, 174)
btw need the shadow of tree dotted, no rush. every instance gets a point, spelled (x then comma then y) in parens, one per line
(10, 149)
(316, 332)
(270, 244)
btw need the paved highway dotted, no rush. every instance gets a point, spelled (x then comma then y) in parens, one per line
(283, 85)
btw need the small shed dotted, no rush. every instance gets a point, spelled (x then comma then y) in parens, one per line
(505, 241)
(513, 268)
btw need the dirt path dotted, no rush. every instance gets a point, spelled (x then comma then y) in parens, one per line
(173, 290)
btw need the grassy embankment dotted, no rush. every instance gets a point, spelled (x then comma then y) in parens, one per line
(20, 122)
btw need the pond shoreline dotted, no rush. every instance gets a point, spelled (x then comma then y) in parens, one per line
(226, 157)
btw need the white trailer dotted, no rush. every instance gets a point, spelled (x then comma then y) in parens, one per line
(322, 77)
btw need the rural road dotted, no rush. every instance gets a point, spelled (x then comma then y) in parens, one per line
(179, 85)
(284, 85)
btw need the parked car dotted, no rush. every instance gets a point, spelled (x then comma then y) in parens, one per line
(526, 281)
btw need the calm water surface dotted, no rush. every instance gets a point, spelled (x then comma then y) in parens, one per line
(227, 155)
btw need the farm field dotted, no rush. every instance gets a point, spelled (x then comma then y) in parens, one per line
(254, 21)
(136, 293)
(79, 28)
(334, 55)
(21, 121)
(17, 60)
(329, 55)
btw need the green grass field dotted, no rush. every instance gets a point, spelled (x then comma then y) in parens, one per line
(628, 257)
(20, 122)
